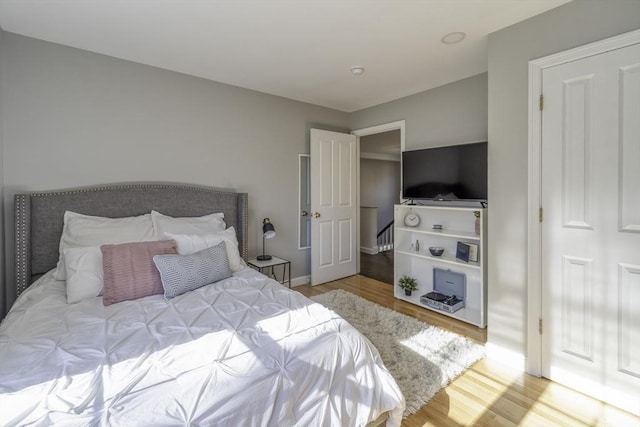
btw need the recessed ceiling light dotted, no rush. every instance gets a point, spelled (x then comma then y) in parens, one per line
(452, 38)
(356, 71)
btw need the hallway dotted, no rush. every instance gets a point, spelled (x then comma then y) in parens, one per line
(378, 267)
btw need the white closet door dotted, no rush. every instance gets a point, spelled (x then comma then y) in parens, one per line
(591, 227)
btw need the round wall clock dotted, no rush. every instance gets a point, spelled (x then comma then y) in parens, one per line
(411, 219)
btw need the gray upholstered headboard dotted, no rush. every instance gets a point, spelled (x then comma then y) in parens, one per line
(39, 216)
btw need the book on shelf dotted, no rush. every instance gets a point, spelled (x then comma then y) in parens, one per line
(467, 252)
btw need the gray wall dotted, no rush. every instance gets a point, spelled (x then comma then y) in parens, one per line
(510, 49)
(449, 114)
(380, 187)
(2, 251)
(75, 118)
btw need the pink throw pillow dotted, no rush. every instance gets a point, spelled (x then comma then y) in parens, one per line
(129, 271)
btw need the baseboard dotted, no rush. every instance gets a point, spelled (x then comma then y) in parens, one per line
(370, 251)
(506, 356)
(299, 281)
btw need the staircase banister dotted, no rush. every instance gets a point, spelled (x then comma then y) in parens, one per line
(385, 228)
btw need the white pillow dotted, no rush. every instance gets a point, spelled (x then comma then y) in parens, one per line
(187, 244)
(85, 230)
(84, 273)
(187, 225)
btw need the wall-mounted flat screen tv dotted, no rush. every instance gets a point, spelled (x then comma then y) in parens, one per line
(456, 172)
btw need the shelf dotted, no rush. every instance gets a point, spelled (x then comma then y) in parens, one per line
(445, 259)
(467, 314)
(444, 233)
(459, 224)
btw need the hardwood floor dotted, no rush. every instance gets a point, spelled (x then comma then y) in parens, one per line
(378, 266)
(489, 393)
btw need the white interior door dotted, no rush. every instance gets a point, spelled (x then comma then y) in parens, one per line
(333, 206)
(591, 227)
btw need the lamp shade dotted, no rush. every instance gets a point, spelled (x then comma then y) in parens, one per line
(268, 229)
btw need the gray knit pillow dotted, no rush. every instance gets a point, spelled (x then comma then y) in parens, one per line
(184, 273)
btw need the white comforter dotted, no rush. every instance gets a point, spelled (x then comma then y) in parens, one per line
(241, 352)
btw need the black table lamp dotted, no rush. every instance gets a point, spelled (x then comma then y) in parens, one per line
(268, 231)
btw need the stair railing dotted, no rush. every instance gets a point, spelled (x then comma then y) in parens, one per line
(384, 238)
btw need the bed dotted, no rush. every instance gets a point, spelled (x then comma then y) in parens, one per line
(241, 351)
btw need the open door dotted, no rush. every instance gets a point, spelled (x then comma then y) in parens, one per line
(333, 205)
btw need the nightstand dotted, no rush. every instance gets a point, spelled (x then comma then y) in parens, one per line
(270, 264)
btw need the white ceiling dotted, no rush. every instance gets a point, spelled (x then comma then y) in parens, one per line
(298, 49)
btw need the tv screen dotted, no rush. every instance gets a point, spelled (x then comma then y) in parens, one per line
(456, 172)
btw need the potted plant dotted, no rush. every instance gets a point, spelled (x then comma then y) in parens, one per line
(408, 283)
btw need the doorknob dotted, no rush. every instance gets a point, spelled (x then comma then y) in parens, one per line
(316, 215)
(304, 213)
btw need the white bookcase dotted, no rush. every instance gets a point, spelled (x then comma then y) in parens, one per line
(458, 225)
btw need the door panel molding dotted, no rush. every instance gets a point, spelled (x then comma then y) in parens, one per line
(576, 153)
(345, 245)
(534, 229)
(326, 243)
(325, 182)
(629, 300)
(577, 292)
(629, 197)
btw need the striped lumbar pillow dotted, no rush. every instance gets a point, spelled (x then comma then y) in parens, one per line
(184, 273)
(129, 272)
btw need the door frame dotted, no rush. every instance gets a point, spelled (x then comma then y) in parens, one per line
(534, 232)
(385, 127)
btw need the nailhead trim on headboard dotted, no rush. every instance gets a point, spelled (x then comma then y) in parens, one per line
(23, 258)
(244, 213)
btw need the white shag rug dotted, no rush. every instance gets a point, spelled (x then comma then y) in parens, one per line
(421, 357)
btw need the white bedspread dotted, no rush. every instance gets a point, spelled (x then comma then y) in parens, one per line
(245, 351)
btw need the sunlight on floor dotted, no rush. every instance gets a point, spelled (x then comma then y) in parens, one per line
(491, 395)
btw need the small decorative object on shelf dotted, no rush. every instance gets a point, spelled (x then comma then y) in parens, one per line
(462, 252)
(411, 219)
(473, 252)
(477, 223)
(408, 283)
(436, 251)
